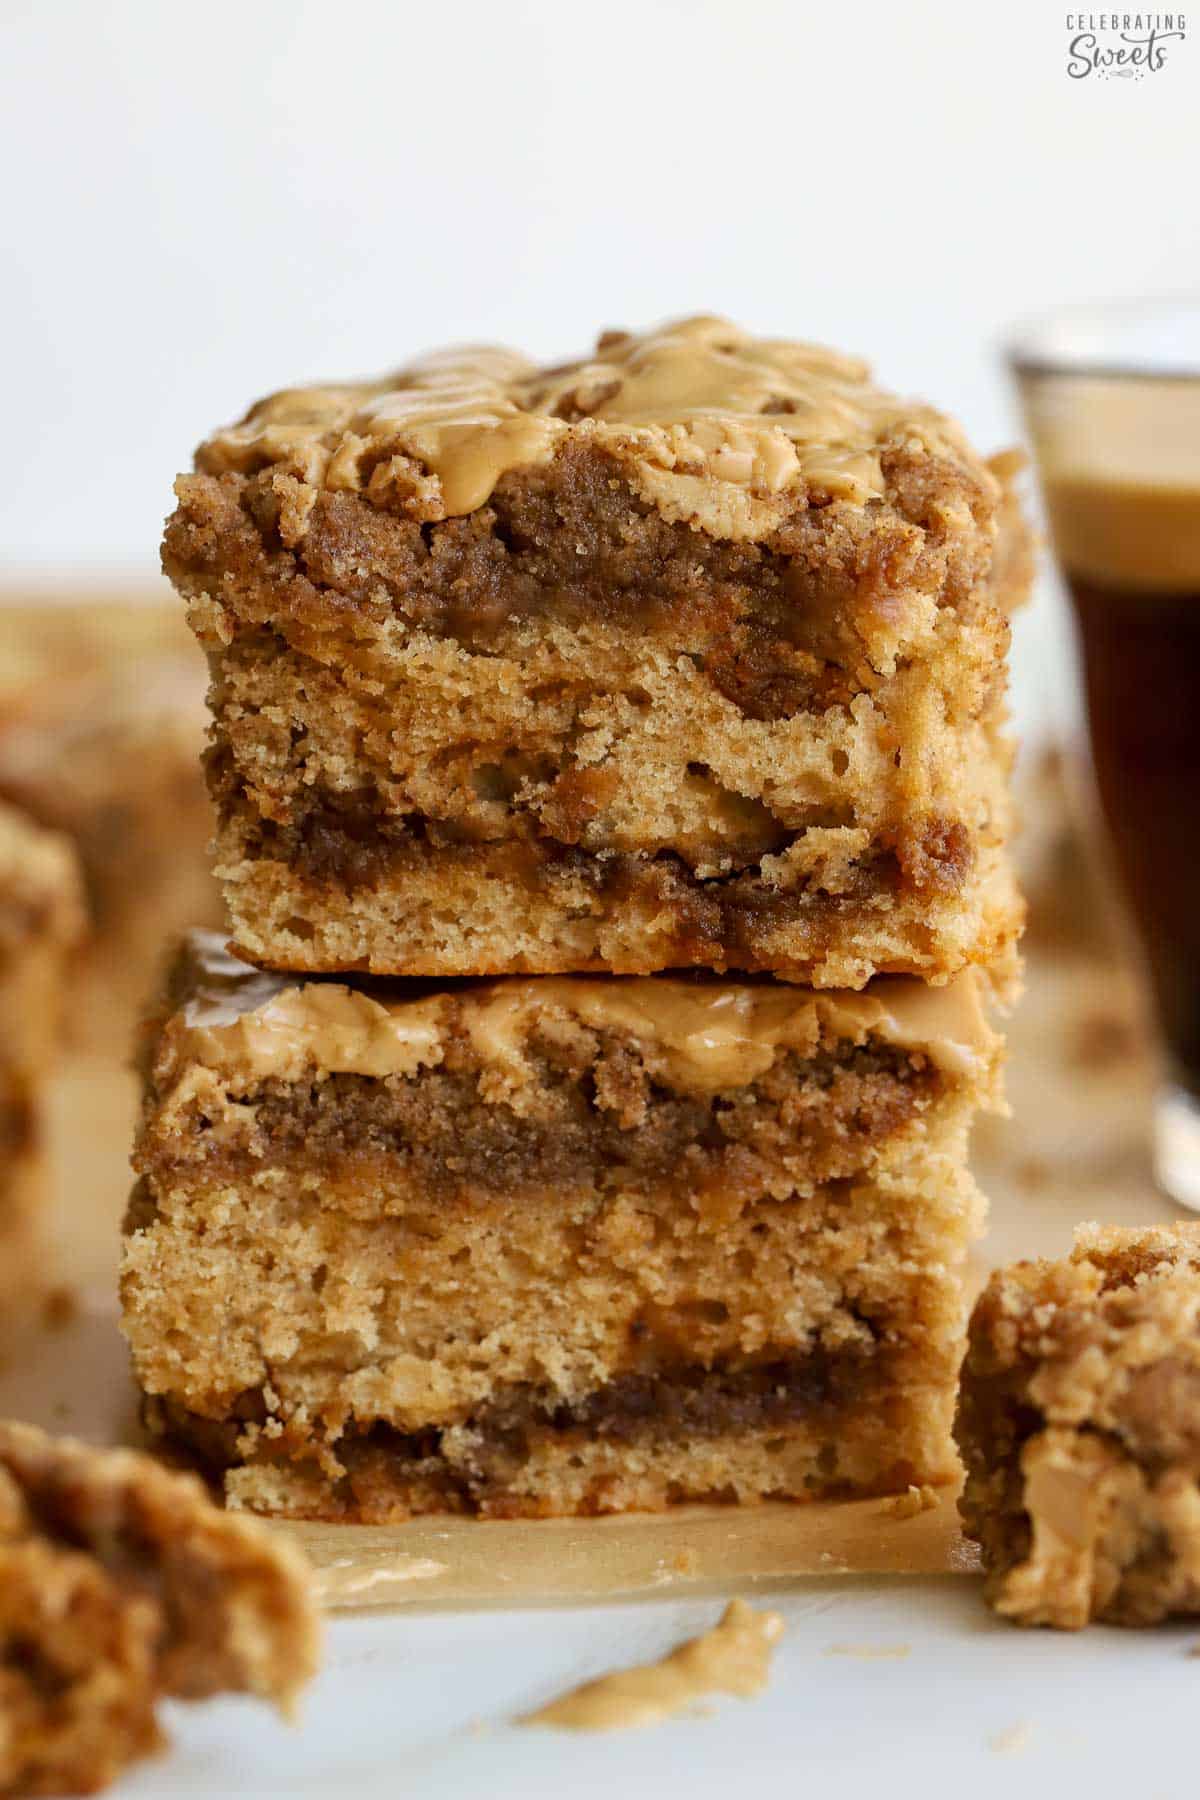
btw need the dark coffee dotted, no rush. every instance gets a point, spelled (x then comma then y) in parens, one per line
(1141, 662)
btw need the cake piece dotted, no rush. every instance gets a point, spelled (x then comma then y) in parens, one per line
(121, 1584)
(41, 922)
(71, 628)
(1079, 1424)
(102, 724)
(553, 1246)
(691, 654)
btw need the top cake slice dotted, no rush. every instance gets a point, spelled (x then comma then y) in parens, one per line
(689, 654)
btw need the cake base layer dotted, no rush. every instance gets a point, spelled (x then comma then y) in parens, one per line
(804, 1430)
(362, 903)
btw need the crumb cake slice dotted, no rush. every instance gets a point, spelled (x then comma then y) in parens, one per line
(553, 1246)
(41, 924)
(1079, 1424)
(690, 654)
(102, 726)
(122, 1584)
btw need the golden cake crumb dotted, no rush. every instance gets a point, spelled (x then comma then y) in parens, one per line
(914, 1500)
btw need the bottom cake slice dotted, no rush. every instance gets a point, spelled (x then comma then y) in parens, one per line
(553, 1246)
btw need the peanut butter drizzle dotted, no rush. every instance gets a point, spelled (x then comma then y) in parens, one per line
(255, 1026)
(714, 425)
(701, 1036)
(733, 1658)
(722, 1035)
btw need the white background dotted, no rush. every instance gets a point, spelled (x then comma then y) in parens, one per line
(205, 202)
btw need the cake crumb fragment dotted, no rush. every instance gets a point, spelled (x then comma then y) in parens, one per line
(914, 1500)
(121, 1584)
(1013, 1739)
(1077, 1425)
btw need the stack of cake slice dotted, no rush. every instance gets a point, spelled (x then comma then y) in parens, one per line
(612, 815)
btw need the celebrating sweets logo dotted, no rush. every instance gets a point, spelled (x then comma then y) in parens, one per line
(1121, 46)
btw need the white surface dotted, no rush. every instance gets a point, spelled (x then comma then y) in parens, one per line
(414, 1705)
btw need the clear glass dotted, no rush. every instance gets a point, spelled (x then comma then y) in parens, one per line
(1111, 395)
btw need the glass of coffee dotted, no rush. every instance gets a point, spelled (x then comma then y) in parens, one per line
(1111, 396)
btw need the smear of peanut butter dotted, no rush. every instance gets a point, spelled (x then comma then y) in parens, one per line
(733, 1658)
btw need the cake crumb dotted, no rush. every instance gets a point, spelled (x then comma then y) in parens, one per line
(1012, 1739)
(872, 1652)
(1073, 1425)
(913, 1501)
